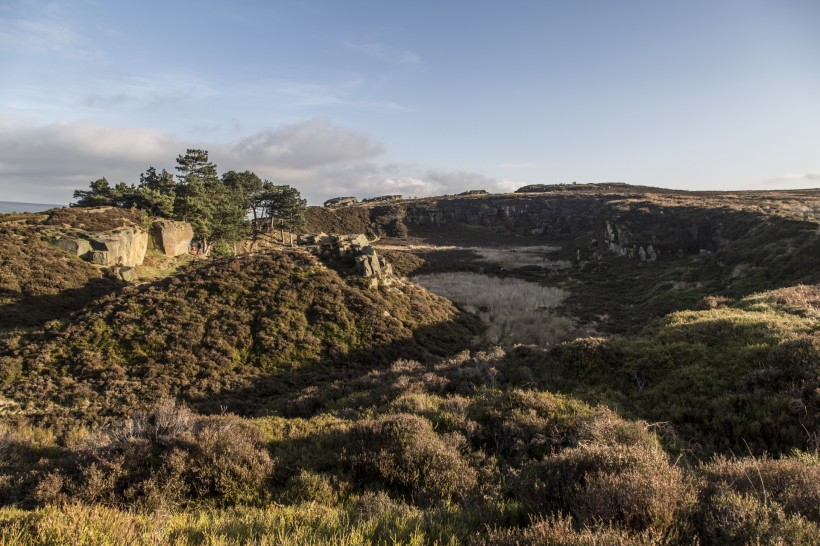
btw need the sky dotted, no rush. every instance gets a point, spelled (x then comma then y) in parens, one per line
(417, 98)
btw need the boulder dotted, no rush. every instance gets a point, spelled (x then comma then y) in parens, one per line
(75, 246)
(128, 274)
(171, 237)
(382, 199)
(367, 263)
(350, 245)
(124, 247)
(315, 239)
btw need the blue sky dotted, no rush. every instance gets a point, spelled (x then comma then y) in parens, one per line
(420, 98)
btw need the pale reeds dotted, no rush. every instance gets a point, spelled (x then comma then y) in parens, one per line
(515, 311)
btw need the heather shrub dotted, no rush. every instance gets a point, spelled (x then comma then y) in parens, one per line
(561, 530)
(94, 218)
(163, 458)
(621, 475)
(522, 424)
(373, 503)
(403, 451)
(13, 447)
(732, 518)
(307, 486)
(216, 327)
(714, 302)
(792, 482)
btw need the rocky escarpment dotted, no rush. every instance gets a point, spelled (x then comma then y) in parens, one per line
(638, 223)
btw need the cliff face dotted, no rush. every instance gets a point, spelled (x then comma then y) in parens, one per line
(633, 224)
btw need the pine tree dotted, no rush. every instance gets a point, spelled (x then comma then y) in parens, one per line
(194, 164)
(286, 209)
(249, 186)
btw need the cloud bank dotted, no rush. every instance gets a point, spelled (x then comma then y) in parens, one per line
(46, 163)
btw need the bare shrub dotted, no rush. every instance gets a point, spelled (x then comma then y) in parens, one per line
(403, 450)
(514, 310)
(519, 256)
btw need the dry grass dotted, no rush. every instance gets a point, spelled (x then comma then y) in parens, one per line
(514, 310)
(522, 256)
(507, 257)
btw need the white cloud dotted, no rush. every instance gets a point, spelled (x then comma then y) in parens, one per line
(306, 145)
(792, 181)
(47, 163)
(411, 181)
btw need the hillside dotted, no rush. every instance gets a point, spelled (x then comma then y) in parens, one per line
(618, 365)
(219, 328)
(39, 282)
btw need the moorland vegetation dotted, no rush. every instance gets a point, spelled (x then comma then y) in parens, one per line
(273, 398)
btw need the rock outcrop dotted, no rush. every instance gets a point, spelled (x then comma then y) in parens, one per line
(341, 202)
(124, 246)
(383, 199)
(171, 237)
(354, 247)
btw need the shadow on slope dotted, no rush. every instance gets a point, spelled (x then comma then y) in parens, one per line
(39, 283)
